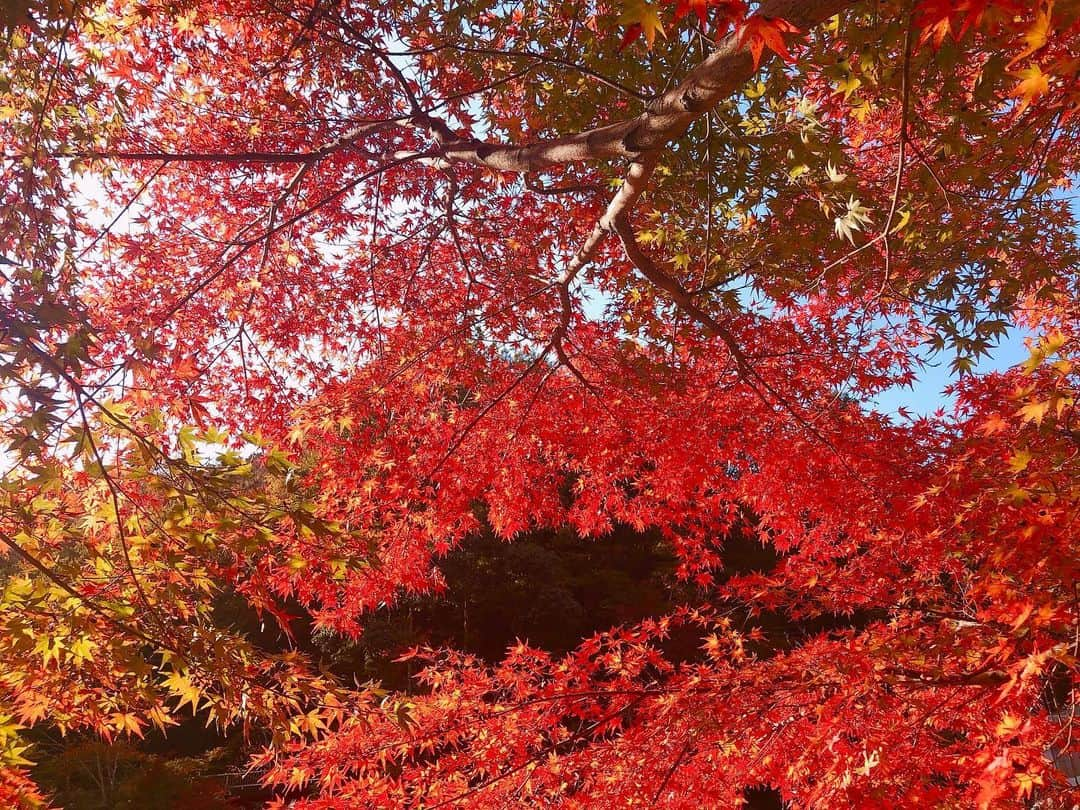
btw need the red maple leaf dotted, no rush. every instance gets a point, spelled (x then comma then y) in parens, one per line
(730, 10)
(760, 32)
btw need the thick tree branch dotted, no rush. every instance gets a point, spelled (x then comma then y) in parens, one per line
(713, 80)
(633, 186)
(666, 118)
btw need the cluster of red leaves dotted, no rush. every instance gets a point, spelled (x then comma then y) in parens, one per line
(391, 321)
(18, 792)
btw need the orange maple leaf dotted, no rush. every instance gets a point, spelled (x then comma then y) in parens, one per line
(1033, 83)
(760, 32)
(1037, 35)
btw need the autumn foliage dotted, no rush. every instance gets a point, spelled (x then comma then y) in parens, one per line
(296, 299)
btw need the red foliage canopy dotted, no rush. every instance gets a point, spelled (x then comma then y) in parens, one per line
(296, 298)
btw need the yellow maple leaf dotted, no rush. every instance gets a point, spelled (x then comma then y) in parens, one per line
(905, 218)
(82, 649)
(183, 688)
(641, 18)
(130, 723)
(1038, 35)
(1034, 411)
(1008, 726)
(1020, 460)
(848, 85)
(1033, 83)
(1026, 782)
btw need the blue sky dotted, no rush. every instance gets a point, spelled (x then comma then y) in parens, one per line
(927, 394)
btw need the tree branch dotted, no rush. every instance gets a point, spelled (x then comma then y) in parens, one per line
(664, 119)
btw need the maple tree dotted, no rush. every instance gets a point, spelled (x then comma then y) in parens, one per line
(297, 298)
